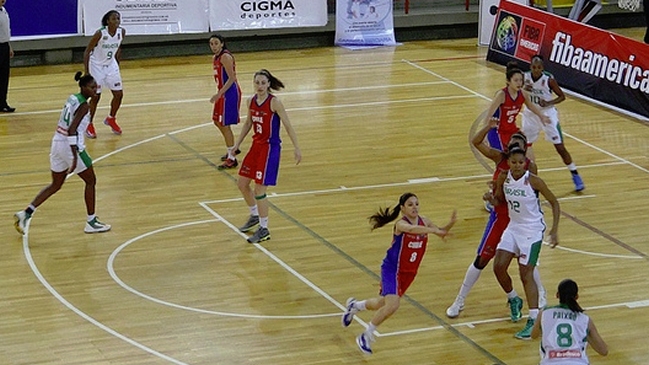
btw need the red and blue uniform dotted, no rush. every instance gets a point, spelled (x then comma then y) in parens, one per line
(402, 261)
(226, 109)
(262, 161)
(498, 219)
(506, 113)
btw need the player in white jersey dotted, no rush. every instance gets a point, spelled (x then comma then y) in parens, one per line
(542, 88)
(519, 189)
(101, 60)
(68, 156)
(566, 330)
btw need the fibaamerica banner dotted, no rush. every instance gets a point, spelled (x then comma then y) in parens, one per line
(149, 16)
(364, 23)
(256, 14)
(598, 64)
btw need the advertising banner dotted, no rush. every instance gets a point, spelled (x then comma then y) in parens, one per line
(149, 16)
(258, 14)
(364, 23)
(43, 18)
(598, 64)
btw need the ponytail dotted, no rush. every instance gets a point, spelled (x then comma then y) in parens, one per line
(384, 216)
(83, 80)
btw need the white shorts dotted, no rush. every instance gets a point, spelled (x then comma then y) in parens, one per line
(108, 76)
(532, 126)
(523, 242)
(61, 157)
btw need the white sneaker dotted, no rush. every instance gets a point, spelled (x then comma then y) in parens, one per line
(455, 309)
(350, 311)
(364, 343)
(95, 226)
(543, 300)
(20, 221)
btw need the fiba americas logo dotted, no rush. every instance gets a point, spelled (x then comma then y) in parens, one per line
(506, 34)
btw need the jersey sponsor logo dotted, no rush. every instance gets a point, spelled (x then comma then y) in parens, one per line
(564, 354)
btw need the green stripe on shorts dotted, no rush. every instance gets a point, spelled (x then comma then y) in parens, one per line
(535, 251)
(85, 157)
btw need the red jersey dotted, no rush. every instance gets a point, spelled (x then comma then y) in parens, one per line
(265, 122)
(508, 112)
(407, 249)
(220, 76)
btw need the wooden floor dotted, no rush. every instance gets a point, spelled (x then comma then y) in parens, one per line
(174, 281)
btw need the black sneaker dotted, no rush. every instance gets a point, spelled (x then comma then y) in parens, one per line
(225, 157)
(228, 164)
(7, 109)
(262, 234)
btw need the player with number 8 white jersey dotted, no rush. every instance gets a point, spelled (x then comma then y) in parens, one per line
(564, 336)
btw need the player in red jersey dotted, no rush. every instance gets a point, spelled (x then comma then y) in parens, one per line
(266, 113)
(498, 221)
(507, 104)
(227, 99)
(400, 265)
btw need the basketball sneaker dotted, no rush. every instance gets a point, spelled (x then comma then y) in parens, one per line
(90, 131)
(579, 183)
(228, 164)
(112, 123)
(364, 342)
(515, 306)
(253, 221)
(225, 157)
(95, 226)
(262, 234)
(350, 311)
(526, 332)
(455, 308)
(20, 221)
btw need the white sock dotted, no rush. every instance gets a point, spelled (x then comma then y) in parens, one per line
(370, 330)
(512, 294)
(91, 217)
(254, 210)
(534, 313)
(572, 167)
(263, 222)
(360, 305)
(231, 153)
(470, 278)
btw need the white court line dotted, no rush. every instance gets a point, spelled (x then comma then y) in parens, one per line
(403, 183)
(204, 100)
(110, 265)
(80, 313)
(472, 324)
(282, 264)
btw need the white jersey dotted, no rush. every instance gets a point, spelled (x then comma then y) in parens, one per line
(523, 202)
(67, 115)
(540, 88)
(104, 52)
(564, 335)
